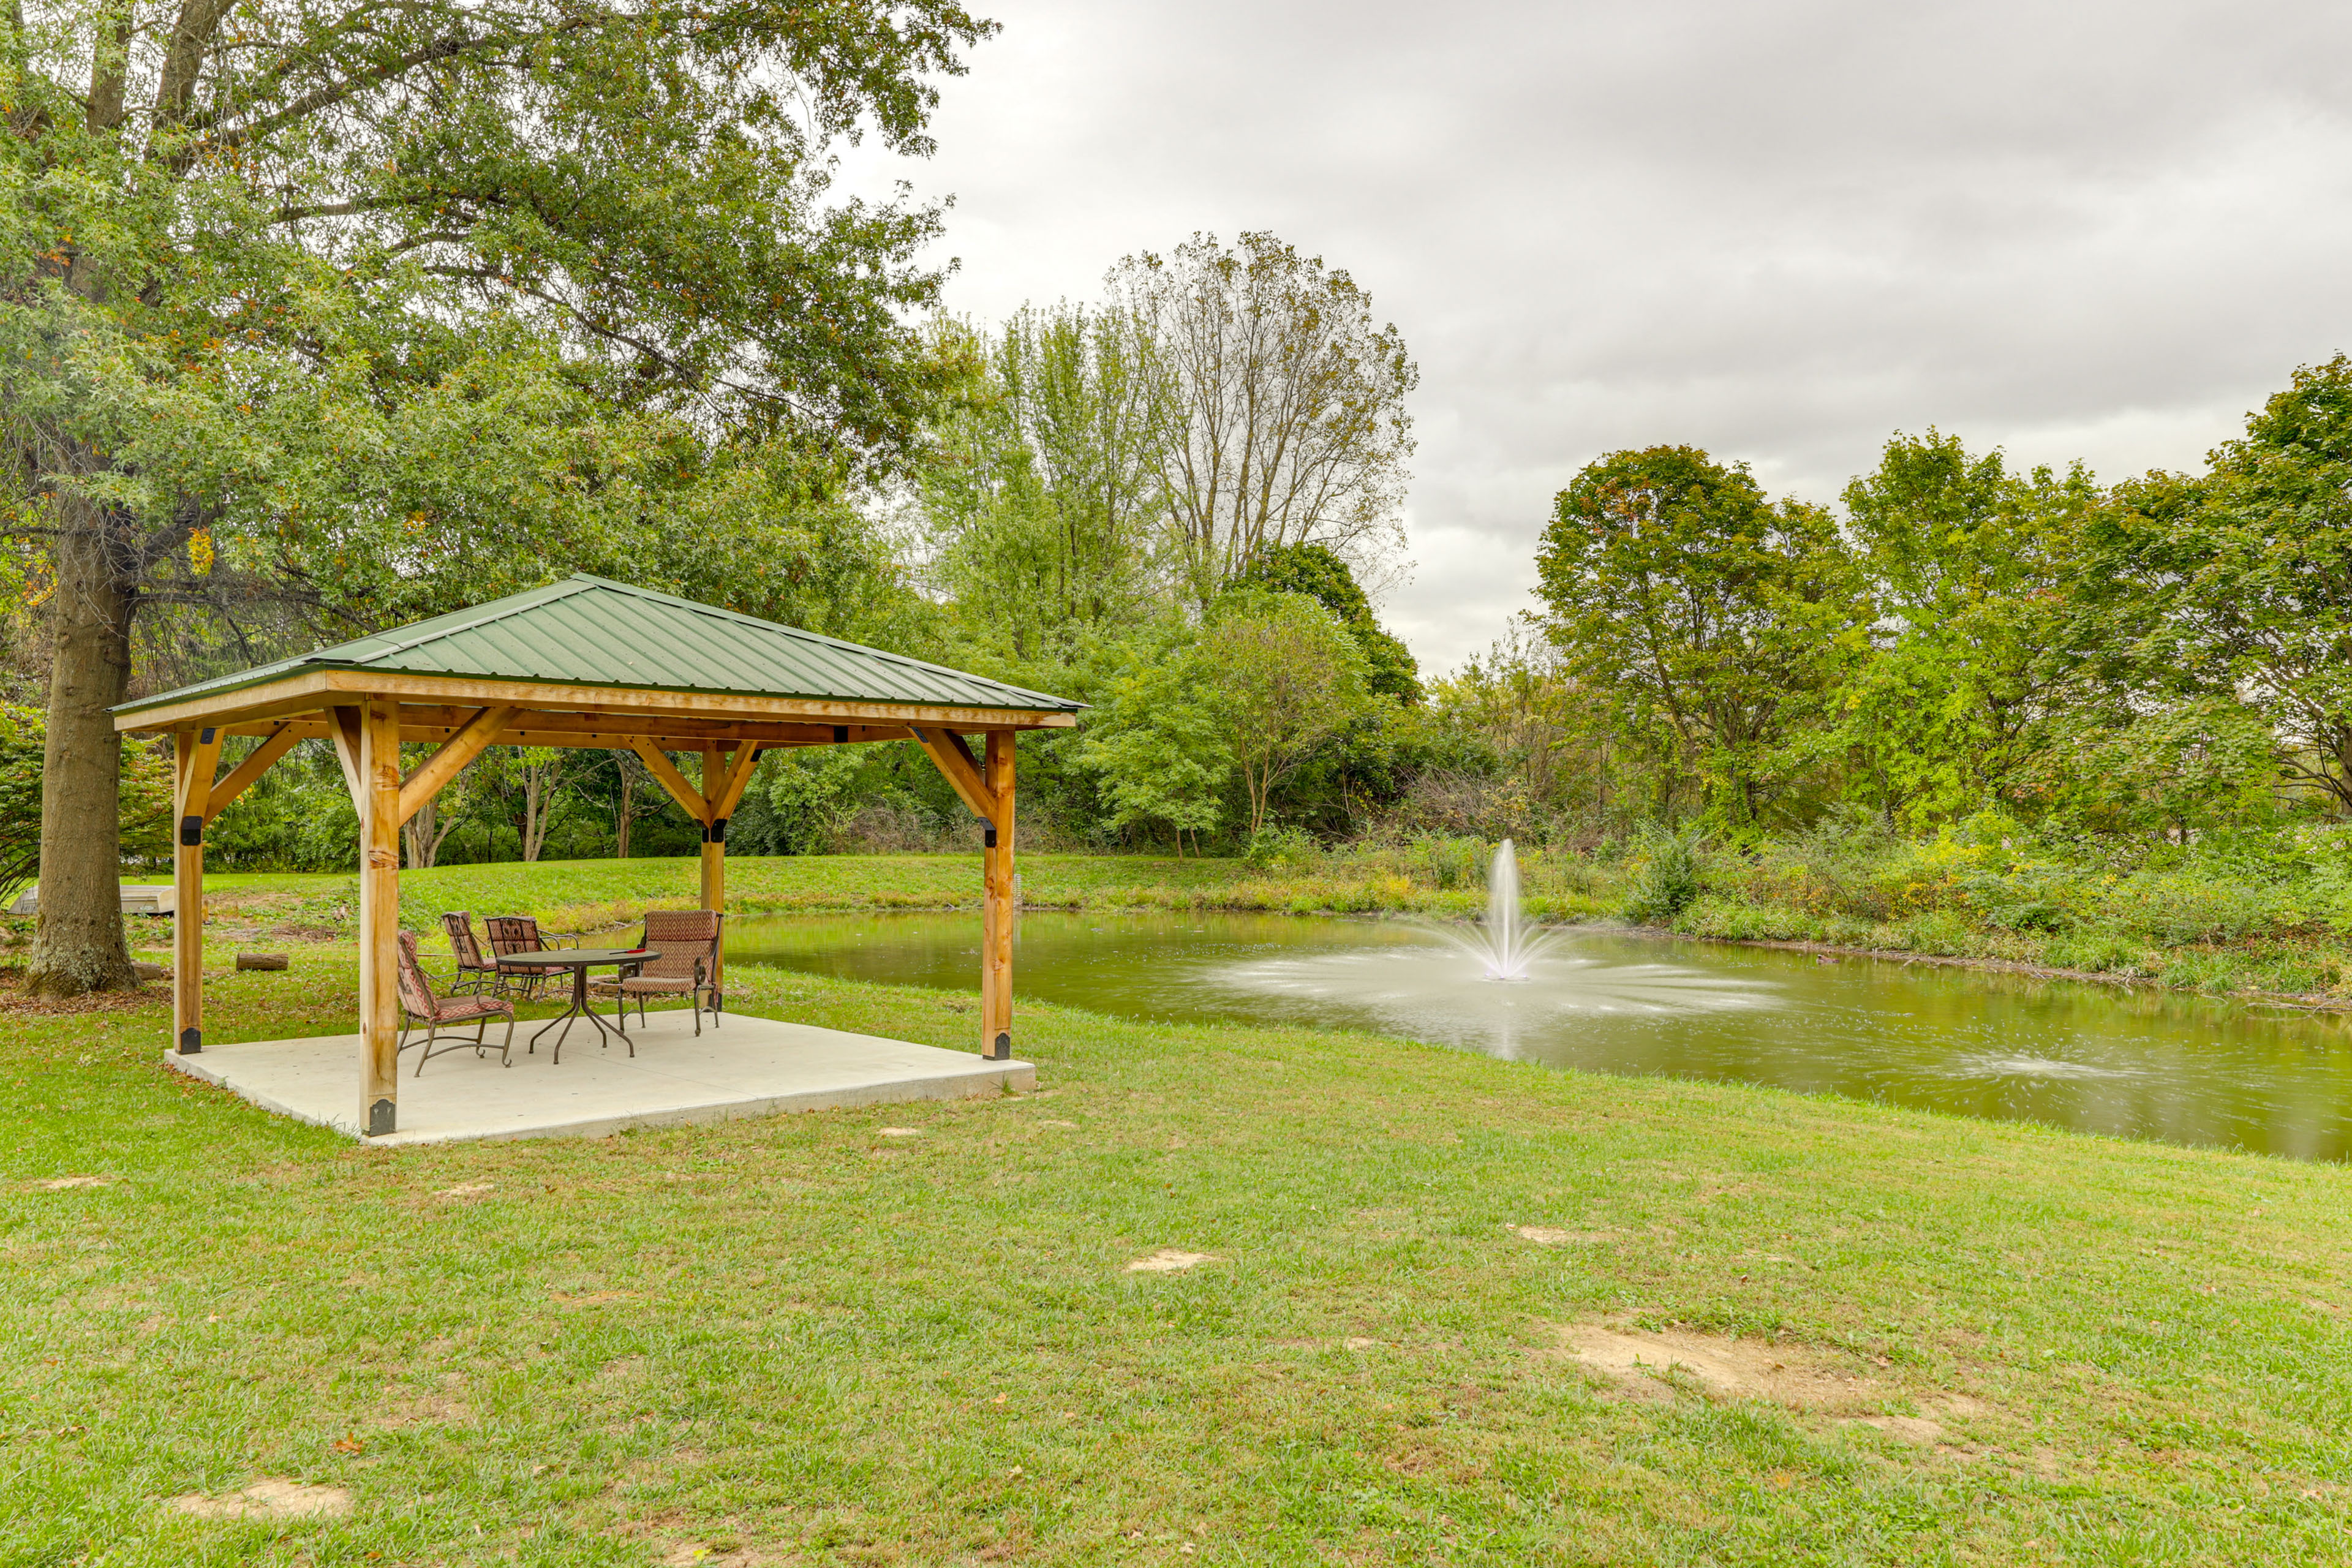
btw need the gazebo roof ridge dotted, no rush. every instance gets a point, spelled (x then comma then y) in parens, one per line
(666, 644)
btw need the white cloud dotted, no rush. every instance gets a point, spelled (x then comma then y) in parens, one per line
(1778, 231)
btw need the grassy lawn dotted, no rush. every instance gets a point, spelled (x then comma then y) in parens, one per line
(806, 1340)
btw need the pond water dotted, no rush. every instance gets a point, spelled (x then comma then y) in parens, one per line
(2134, 1063)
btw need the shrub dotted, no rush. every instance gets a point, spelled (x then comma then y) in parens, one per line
(1667, 877)
(1279, 847)
(1456, 862)
(1735, 920)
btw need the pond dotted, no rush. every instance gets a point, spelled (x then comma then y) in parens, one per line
(2133, 1063)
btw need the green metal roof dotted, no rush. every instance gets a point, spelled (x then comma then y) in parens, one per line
(589, 631)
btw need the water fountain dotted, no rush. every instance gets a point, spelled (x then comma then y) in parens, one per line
(1503, 945)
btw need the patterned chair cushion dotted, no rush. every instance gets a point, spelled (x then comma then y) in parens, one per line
(453, 1008)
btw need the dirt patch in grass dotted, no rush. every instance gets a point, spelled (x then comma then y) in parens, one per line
(1647, 1365)
(1549, 1236)
(268, 1499)
(1169, 1260)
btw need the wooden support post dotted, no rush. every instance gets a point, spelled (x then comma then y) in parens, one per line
(997, 912)
(379, 773)
(196, 755)
(714, 831)
(714, 856)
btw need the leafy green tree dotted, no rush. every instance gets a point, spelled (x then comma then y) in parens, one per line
(370, 306)
(145, 830)
(2149, 770)
(1161, 742)
(810, 796)
(2238, 584)
(1708, 614)
(1319, 571)
(1965, 561)
(1512, 732)
(1040, 489)
(1288, 678)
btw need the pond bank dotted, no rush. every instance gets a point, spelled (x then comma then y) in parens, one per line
(2301, 963)
(2305, 1001)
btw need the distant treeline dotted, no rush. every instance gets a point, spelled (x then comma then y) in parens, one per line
(2152, 660)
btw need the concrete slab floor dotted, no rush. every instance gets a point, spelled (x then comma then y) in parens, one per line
(744, 1067)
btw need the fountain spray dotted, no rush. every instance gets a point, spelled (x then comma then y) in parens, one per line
(1503, 945)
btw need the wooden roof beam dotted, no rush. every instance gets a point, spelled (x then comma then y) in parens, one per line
(953, 758)
(315, 689)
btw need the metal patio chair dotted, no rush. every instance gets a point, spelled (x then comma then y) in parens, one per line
(418, 1004)
(688, 941)
(511, 934)
(477, 975)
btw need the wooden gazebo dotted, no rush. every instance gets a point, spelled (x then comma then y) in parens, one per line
(583, 662)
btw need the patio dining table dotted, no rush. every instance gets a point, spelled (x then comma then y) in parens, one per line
(579, 960)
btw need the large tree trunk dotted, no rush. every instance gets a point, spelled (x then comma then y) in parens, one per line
(77, 945)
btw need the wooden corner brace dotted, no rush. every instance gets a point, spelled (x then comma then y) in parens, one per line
(730, 788)
(954, 759)
(474, 736)
(690, 799)
(276, 744)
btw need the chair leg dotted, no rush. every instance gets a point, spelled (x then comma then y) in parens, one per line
(506, 1051)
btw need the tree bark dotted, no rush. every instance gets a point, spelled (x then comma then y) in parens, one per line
(423, 833)
(626, 815)
(77, 945)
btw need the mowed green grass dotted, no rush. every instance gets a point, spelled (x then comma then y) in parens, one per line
(802, 1340)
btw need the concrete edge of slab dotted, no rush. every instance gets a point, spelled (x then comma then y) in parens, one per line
(967, 1083)
(195, 1067)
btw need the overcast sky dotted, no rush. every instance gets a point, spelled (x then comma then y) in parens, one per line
(1777, 230)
